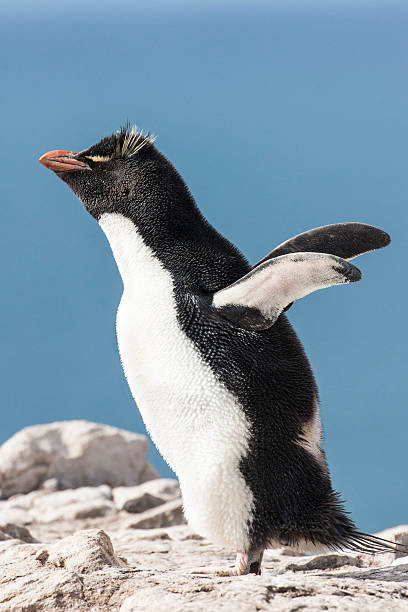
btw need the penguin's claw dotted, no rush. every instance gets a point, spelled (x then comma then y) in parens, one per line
(223, 572)
(215, 571)
(244, 564)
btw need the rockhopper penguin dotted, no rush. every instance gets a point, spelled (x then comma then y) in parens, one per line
(220, 377)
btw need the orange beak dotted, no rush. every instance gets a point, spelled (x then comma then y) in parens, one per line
(62, 161)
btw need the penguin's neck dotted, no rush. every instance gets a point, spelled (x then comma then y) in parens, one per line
(193, 252)
(133, 257)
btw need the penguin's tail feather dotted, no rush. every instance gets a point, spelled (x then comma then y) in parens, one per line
(334, 530)
(365, 543)
(340, 533)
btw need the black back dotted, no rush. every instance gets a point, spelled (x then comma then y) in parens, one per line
(267, 371)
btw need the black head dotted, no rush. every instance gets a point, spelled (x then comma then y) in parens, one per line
(123, 173)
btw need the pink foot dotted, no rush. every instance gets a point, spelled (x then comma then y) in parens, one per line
(245, 563)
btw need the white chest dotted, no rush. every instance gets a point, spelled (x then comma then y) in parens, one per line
(195, 422)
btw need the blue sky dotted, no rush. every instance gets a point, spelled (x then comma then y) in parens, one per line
(281, 117)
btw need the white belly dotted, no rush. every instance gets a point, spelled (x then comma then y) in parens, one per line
(195, 422)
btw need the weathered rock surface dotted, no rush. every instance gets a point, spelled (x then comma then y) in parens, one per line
(106, 566)
(147, 495)
(44, 506)
(166, 515)
(328, 561)
(95, 543)
(87, 551)
(72, 454)
(399, 535)
(9, 531)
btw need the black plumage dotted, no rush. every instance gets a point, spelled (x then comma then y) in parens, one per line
(262, 364)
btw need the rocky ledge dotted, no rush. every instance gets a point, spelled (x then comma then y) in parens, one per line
(117, 546)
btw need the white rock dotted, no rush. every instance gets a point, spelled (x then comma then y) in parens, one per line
(15, 515)
(401, 561)
(399, 535)
(44, 506)
(10, 531)
(86, 551)
(147, 473)
(75, 453)
(85, 502)
(25, 502)
(51, 484)
(165, 515)
(82, 572)
(147, 495)
(326, 561)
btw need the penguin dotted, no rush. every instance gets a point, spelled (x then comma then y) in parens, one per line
(221, 379)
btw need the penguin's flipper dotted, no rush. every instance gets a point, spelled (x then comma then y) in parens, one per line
(346, 240)
(256, 300)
